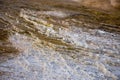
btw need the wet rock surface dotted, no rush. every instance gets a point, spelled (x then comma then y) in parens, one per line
(58, 40)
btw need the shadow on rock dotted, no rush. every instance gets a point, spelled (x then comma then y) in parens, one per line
(7, 51)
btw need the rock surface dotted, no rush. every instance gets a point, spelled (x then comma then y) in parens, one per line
(58, 40)
(100, 4)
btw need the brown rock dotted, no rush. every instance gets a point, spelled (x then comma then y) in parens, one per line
(115, 3)
(101, 4)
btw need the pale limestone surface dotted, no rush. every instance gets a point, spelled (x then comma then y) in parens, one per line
(55, 46)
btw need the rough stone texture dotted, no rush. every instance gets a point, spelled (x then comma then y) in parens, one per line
(56, 40)
(101, 4)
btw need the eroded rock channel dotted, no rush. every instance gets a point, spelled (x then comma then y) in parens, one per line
(58, 40)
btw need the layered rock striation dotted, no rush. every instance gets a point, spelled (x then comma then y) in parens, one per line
(58, 40)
